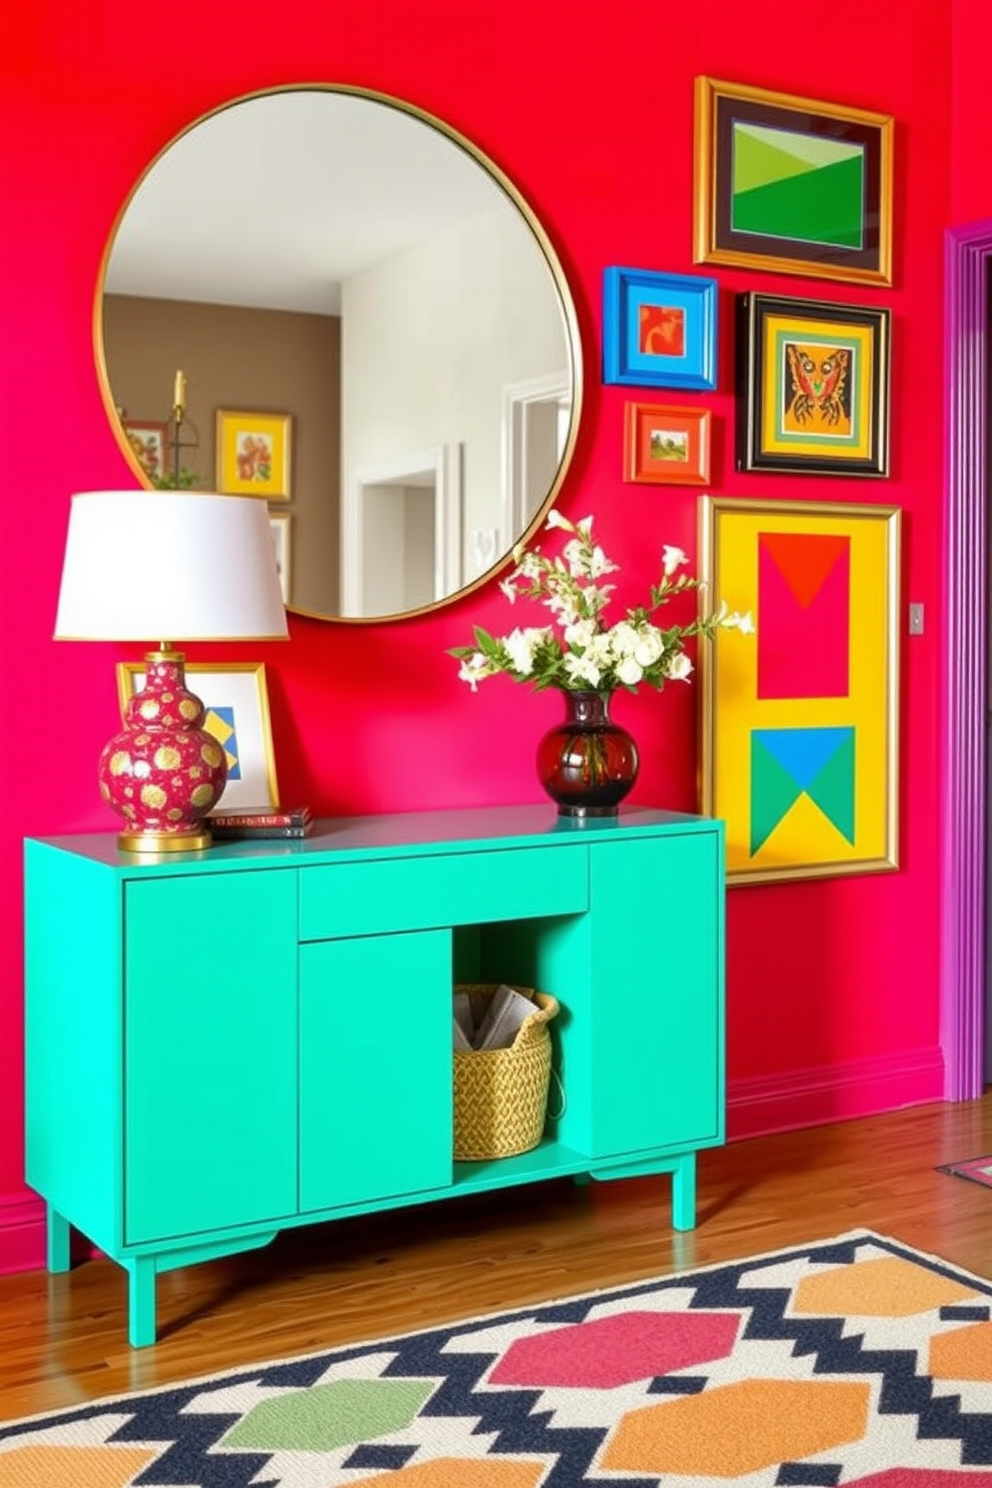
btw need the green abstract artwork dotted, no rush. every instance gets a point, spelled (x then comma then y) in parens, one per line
(803, 187)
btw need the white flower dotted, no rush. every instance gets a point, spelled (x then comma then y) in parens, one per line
(519, 646)
(599, 564)
(509, 591)
(555, 519)
(580, 633)
(473, 670)
(623, 639)
(629, 671)
(671, 559)
(574, 556)
(678, 667)
(584, 525)
(582, 669)
(650, 647)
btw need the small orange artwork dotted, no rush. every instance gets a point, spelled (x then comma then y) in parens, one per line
(661, 330)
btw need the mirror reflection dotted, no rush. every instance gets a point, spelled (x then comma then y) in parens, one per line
(370, 330)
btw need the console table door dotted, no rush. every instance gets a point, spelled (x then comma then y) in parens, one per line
(210, 1053)
(375, 1068)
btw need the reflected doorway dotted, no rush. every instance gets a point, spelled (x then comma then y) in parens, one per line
(403, 534)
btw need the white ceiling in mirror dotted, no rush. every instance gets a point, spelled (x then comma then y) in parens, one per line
(277, 204)
(346, 259)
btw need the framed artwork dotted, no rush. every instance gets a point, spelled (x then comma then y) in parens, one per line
(253, 454)
(812, 386)
(666, 446)
(149, 441)
(799, 728)
(792, 185)
(236, 699)
(659, 330)
(279, 526)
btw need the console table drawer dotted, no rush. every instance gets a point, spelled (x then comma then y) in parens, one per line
(423, 893)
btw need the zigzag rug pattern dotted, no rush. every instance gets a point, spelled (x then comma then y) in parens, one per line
(854, 1363)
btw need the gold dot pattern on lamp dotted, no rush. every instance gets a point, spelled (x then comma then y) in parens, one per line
(211, 755)
(167, 758)
(188, 710)
(154, 796)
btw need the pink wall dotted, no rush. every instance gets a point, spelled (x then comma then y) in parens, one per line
(832, 986)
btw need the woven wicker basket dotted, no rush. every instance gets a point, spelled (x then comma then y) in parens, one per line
(501, 1095)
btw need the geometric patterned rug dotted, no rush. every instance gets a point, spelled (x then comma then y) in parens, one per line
(857, 1361)
(976, 1169)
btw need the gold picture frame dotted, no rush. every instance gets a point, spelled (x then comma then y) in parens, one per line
(800, 731)
(236, 698)
(791, 184)
(253, 453)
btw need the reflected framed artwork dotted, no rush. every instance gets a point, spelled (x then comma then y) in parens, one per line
(279, 526)
(666, 445)
(236, 701)
(149, 442)
(253, 454)
(800, 729)
(791, 184)
(812, 386)
(659, 330)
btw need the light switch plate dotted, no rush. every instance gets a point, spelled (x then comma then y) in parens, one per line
(916, 619)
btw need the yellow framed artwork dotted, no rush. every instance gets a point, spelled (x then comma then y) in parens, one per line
(800, 731)
(235, 698)
(253, 454)
(813, 386)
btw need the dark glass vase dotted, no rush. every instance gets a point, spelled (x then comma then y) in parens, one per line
(587, 764)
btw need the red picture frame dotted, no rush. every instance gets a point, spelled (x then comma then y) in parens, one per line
(667, 446)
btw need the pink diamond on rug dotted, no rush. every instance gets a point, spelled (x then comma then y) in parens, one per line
(616, 1351)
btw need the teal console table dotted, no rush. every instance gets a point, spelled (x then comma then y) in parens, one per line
(224, 1044)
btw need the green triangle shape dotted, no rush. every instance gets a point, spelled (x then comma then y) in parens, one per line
(773, 793)
(816, 206)
(833, 788)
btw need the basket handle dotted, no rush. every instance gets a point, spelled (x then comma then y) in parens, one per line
(530, 1029)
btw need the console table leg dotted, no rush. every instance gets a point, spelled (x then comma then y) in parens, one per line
(684, 1192)
(58, 1231)
(141, 1301)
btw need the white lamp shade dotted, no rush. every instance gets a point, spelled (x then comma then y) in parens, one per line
(169, 566)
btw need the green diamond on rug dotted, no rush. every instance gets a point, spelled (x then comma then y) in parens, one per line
(335, 1415)
(851, 1363)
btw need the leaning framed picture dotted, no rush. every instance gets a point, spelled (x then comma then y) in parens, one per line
(791, 184)
(667, 446)
(659, 330)
(253, 454)
(800, 727)
(236, 699)
(812, 386)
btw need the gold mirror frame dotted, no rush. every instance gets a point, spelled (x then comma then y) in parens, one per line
(558, 281)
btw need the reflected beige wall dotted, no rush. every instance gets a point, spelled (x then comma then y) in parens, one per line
(269, 361)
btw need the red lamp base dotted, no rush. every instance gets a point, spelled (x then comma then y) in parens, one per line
(163, 772)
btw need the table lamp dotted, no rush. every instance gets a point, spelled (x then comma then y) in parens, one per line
(190, 566)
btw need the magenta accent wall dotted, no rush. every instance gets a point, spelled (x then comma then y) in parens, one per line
(833, 985)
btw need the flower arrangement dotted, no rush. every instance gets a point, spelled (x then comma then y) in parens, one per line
(580, 652)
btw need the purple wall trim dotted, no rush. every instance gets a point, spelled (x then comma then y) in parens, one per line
(966, 660)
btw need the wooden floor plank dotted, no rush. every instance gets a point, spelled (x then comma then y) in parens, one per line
(63, 1338)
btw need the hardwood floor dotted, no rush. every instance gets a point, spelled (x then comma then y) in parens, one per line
(63, 1338)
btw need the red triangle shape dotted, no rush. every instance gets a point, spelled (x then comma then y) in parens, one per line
(804, 559)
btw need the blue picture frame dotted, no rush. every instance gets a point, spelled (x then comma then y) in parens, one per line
(659, 330)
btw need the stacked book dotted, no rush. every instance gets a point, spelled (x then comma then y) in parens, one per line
(293, 821)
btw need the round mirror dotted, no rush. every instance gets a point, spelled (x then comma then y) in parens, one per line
(327, 299)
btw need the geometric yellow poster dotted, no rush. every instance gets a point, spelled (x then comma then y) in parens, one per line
(800, 724)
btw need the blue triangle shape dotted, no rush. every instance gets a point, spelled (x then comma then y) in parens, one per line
(803, 752)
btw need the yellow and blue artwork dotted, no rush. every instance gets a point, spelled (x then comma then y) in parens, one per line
(800, 728)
